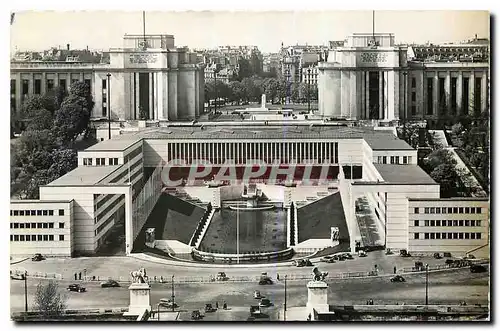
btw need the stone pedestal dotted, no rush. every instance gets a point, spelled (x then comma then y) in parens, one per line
(317, 296)
(139, 298)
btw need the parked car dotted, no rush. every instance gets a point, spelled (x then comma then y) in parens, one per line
(17, 276)
(398, 279)
(254, 310)
(221, 276)
(167, 303)
(348, 256)
(76, 288)
(437, 256)
(327, 259)
(419, 265)
(388, 251)
(209, 308)
(257, 295)
(477, 268)
(302, 263)
(196, 315)
(361, 253)
(447, 254)
(404, 253)
(265, 303)
(38, 257)
(265, 279)
(110, 283)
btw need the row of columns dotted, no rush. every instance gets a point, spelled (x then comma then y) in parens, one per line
(218, 153)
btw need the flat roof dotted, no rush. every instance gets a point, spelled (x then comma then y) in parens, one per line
(450, 199)
(377, 140)
(403, 174)
(40, 201)
(84, 175)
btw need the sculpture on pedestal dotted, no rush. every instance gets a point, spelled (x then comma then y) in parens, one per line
(319, 276)
(139, 276)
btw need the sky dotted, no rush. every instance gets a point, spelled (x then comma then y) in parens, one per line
(39, 30)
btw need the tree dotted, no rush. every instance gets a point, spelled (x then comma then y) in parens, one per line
(446, 176)
(40, 119)
(440, 156)
(48, 301)
(245, 70)
(63, 161)
(237, 91)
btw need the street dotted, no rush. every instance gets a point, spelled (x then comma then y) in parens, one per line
(445, 287)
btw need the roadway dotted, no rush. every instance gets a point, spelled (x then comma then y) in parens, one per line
(445, 287)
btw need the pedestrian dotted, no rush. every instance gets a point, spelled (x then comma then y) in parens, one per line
(225, 305)
(394, 269)
(80, 275)
(217, 304)
(278, 276)
(76, 276)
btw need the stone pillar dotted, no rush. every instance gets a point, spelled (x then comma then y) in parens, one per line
(317, 297)
(159, 93)
(140, 299)
(459, 93)
(367, 94)
(19, 93)
(345, 91)
(137, 95)
(381, 95)
(352, 95)
(447, 92)
(435, 95)
(151, 97)
(472, 83)
(81, 77)
(396, 92)
(484, 91)
(156, 96)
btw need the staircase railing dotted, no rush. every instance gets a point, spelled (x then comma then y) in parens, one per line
(201, 225)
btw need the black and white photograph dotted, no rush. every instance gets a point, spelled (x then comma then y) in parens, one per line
(250, 166)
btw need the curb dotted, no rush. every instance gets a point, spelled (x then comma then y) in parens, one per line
(16, 262)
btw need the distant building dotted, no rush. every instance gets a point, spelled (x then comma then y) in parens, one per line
(368, 76)
(147, 73)
(294, 58)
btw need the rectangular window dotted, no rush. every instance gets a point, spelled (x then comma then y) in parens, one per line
(384, 159)
(397, 159)
(455, 210)
(113, 161)
(413, 96)
(51, 237)
(450, 210)
(473, 235)
(472, 223)
(433, 223)
(467, 223)
(461, 210)
(51, 212)
(460, 235)
(16, 225)
(62, 84)
(16, 212)
(45, 212)
(11, 225)
(38, 213)
(11, 237)
(61, 225)
(455, 223)
(415, 223)
(33, 225)
(61, 237)
(443, 235)
(415, 235)
(21, 225)
(51, 225)
(438, 210)
(433, 235)
(28, 237)
(38, 225)
(416, 210)
(33, 213)
(104, 84)
(392, 160)
(426, 235)
(100, 161)
(45, 237)
(33, 237)
(413, 110)
(478, 235)
(467, 236)
(450, 223)
(472, 210)
(61, 212)
(405, 160)
(16, 237)
(426, 223)
(413, 82)
(38, 86)
(21, 213)
(433, 210)
(438, 235)
(455, 235)
(466, 210)
(87, 161)
(450, 235)
(430, 95)
(438, 222)
(478, 223)
(478, 210)
(426, 210)
(460, 223)
(50, 84)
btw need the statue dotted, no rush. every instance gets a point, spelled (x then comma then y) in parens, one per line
(319, 276)
(139, 276)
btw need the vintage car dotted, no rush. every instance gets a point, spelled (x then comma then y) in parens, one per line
(477, 268)
(398, 279)
(221, 276)
(196, 315)
(110, 283)
(327, 259)
(361, 253)
(17, 276)
(167, 303)
(265, 279)
(404, 253)
(76, 288)
(38, 257)
(265, 303)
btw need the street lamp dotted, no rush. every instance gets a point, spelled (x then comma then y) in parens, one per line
(173, 294)
(404, 104)
(308, 90)
(287, 74)
(158, 310)
(426, 284)
(26, 291)
(108, 106)
(284, 315)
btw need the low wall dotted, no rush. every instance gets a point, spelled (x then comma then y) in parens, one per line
(232, 258)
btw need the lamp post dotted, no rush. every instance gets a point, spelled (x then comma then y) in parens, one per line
(284, 314)
(108, 106)
(426, 284)
(287, 91)
(173, 294)
(308, 90)
(215, 87)
(158, 310)
(404, 105)
(25, 291)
